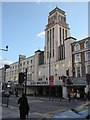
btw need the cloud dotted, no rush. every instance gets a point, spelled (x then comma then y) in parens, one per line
(4, 61)
(41, 34)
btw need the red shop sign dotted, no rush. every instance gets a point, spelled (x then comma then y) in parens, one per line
(51, 80)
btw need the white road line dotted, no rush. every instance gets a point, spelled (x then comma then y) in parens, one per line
(48, 114)
(11, 107)
(33, 101)
(40, 114)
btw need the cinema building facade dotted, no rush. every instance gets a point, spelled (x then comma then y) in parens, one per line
(55, 70)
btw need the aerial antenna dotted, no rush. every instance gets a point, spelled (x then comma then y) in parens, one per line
(56, 4)
(38, 48)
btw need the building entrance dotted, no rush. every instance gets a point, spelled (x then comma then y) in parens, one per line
(56, 91)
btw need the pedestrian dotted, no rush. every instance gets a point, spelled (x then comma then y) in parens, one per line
(69, 97)
(24, 107)
(87, 96)
(35, 94)
(16, 93)
(78, 95)
(75, 96)
(72, 94)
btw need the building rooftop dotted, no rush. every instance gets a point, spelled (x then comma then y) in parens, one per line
(37, 51)
(82, 40)
(70, 38)
(56, 9)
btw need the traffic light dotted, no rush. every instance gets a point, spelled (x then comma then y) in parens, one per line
(68, 81)
(67, 72)
(21, 78)
(25, 75)
(88, 78)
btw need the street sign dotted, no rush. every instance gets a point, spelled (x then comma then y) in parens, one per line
(51, 80)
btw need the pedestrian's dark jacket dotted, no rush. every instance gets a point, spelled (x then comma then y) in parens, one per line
(24, 107)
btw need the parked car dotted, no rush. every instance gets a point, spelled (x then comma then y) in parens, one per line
(5, 93)
(80, 112)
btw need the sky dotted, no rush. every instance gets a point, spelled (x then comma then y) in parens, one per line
(23, 26)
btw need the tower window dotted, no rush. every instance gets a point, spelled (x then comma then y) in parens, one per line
(63, 34)
(50, 43)
(23, 63)
(53, 52)
(31, 61)
(66, 33)
(27, 62)
(60, 36)
(47, 43)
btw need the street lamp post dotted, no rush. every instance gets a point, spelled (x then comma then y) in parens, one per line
(25, 80)
(49, 78)
(5, 49)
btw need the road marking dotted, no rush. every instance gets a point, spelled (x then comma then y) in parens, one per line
(38, 113)
(42, 115)
(33, 101)
(51, 113)
(11, 107)
(62, 109)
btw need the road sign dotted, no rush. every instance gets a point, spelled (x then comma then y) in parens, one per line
(51, 80)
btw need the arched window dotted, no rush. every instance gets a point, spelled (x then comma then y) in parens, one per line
(87, 44)
(77, 47)
(87, 55)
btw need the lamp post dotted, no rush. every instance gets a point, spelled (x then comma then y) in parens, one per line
(49, 77)
(5, 49)
(25, 80)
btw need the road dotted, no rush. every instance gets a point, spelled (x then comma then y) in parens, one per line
(39, 107)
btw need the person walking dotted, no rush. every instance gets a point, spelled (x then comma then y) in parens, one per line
(78, 95)
(16, 93)
(24, 107)
(69, 97)
(72, 94)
